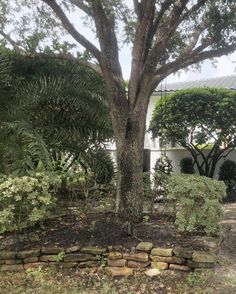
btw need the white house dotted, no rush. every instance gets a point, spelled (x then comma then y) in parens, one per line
(152, 149)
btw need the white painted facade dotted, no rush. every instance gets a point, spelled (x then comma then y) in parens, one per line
(177, 153)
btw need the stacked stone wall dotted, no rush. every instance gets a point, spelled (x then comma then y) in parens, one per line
(115, 260)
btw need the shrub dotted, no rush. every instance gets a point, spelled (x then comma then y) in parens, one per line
(164, 165)
(26, 200)
(160, 180)
(186, 165)
(148, 191)
(198, 202)
(227, 174)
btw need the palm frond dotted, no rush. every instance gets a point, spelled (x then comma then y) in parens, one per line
(29, 148)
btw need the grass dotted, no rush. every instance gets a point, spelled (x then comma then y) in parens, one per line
(85, 281)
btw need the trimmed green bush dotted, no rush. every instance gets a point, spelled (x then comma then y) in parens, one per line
(197, 200)
(186, 165)
(227, 173)
(26, 200)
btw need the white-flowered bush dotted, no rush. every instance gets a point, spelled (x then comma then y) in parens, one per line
(197, 200)
(26, 200)
(164, 165)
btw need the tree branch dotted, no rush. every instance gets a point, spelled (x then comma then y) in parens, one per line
(164, 7)
(195, 37)
(194, 9)
(137, 8)
(110, 65)
(165, 32)
(81, 5)
(167, 29)
(194, 155)
(105, 26)
(199, 151)
(13, 43)
(65, 56)
(225, 155)
(186, 60)
(71, 29)
(140, 47)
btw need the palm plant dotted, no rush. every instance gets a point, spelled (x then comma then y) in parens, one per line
(56, 119)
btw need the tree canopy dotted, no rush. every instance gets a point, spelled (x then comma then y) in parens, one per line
(202, 120)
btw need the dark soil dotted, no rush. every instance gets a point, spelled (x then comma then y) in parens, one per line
(101, 229)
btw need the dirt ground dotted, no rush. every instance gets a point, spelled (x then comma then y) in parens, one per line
(101, 229)
(227, 256)
(222, 281)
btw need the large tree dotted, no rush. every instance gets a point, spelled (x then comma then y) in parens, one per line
(165, 36)
(201, 120)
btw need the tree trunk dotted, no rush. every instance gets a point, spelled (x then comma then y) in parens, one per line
(129, 144)
(129, 202)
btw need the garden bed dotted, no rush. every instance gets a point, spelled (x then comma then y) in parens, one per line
(100, 229)
(96, 239)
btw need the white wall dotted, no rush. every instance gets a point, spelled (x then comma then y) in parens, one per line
(175, 154)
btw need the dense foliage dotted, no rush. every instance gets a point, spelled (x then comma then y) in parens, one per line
(53, 116)
(187, 165)
(197, 200)
(163, 165)
(26, 200)
(201, 120)
(227, 173)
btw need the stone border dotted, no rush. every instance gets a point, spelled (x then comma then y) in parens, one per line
(115, 261)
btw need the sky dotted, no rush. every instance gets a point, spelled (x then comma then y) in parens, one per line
(225, 66)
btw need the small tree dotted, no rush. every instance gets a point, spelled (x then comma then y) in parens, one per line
(201, 120)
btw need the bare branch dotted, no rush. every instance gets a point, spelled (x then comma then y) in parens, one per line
(13, 43)
(195, 37)
(213, 151)
(105, 26)
(72, 30)
(164, 7)
(140, 45)
(186, 60)
(171, 23)
(165, 32)
(137, 8)
(195, 155)
(193, 9)
(225, 155)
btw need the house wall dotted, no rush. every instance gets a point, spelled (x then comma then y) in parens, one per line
(175, 154)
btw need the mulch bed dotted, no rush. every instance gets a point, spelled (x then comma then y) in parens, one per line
(99, 229)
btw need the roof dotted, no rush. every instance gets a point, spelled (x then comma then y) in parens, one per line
(227, 82)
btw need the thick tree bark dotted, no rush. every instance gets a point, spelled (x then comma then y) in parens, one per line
(129, 130)
(129, 201)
